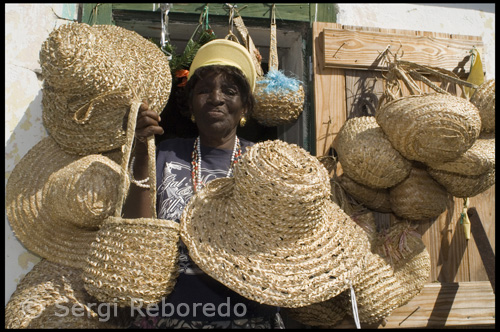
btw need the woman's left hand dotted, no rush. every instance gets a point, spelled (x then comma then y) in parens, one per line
(147, 123)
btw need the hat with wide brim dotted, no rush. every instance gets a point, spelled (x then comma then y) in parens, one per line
(55, 201)
(51, 296)
(226, 53)
(271, 233)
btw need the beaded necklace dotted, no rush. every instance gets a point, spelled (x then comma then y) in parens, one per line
(196, 162)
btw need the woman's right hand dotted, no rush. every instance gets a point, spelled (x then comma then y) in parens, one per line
(147, 123)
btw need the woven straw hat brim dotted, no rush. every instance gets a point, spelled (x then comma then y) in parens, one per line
(266, 266)
(91, 75)
(372, 198)
(461, 185)
(484, 99)
(431, 128)
(48, 291)
(479, 159)
(57, 240)
(133, 262)
(419, 197)
(325, 314)
(367, 156)
(275, 109)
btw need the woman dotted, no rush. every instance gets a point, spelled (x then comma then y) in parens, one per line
(220, 86)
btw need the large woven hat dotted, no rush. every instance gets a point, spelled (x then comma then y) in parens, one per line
(419, 197)
(91, 75)
(51, 296)
(55, 201)
(430, 128)
(367, 156)
(463, 186)
(484, 99)
(479, 159)
(273, 235)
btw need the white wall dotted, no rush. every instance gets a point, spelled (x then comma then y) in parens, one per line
(28, 25)
(431, 18)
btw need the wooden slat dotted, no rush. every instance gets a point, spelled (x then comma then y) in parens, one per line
(345, 48)
(442, 305)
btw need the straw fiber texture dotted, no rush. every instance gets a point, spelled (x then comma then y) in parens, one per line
(372, 198)
(275, 108)
(91, 74)
(367, 156)
(464, 186)
(84, 192)
(431, 128)
(132, 261)
(272, 233)
(324, 315)
(402, 247)
(49, 291)
(419, 197)
(479, 159)
(484, 99)
(35, 203)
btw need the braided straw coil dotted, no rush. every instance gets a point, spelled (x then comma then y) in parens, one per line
(36, 201)
(273, 234)
(479, 159)
(374, 199)
(91, 75)
(419, 197)
(51, 296)
(464, 186)
(367, 156)
(484, 99)
(430, 128)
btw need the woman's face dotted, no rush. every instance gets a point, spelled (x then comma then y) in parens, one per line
(217, 105)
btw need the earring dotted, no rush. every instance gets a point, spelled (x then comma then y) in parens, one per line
(243, 122)
(193, 120)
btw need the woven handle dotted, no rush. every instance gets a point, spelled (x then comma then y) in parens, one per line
(249, 44)
(273, 48)
(132, 120)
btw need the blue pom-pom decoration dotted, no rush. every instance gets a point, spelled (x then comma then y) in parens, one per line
(277, 82)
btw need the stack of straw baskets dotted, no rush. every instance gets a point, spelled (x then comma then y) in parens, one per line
(417, 150)
(62, 195)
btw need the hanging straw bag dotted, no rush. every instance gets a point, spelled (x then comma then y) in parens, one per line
(279, 99)
(133, 262)
(484, 99)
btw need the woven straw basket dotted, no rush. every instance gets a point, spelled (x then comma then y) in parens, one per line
(419, 197)
(484, 99)
(374, 199)
(464, 186)
(324, 315)
(479, 159)
(91, 75)
(279, 99)
(430, 128)
(367, 156)
(133, 262)
(47, 292)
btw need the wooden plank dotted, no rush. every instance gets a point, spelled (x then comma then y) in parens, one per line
(329, 96)
(363, 90)
(361, 49)
(442, 305)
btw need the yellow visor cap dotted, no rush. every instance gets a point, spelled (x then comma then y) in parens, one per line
(226, 53)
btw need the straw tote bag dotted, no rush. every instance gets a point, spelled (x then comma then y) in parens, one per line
(279, 99)
(133, 262)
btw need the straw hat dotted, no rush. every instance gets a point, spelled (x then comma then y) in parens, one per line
(367, 156)
(463, 186)
(419, 197)
(55, 201)
(91, 75)
(479, 159)
(273, 235)
(484, 99)
(430, 128)
(372, 198)
(227, 53)
(48, 295)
